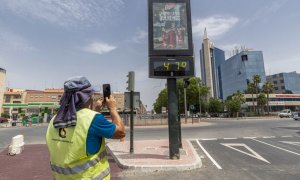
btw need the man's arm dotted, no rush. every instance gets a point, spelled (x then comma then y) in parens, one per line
(116, 119)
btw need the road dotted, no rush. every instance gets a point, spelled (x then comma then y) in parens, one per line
(229, 148)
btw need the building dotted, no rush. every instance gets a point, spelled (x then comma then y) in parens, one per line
(238, 71)
(48, 95)
(285, 83)
(210, 60)
(2, 86)
(277, 102)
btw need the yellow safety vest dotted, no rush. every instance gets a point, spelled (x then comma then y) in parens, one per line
(68, 155)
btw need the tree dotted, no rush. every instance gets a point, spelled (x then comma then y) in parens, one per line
(194, 94)
(256, 80)
(161, 101)
(251, 90)
(261, 101)
(234, 102)
(268, 88)
(215, 106)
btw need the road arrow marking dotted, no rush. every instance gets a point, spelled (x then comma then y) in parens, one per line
(293, 143)
(254, 154)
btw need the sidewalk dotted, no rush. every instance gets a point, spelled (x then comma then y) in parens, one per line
(34, 163)
(153, 155)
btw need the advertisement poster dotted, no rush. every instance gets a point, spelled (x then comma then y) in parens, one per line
(170, 26)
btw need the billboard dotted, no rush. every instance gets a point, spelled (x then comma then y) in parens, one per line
(170, 28)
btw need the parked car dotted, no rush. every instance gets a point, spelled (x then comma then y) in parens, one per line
(296, 116)
(3, 120)
(285, 113)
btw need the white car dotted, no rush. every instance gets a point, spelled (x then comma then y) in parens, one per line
(285, 113)
(296, 116)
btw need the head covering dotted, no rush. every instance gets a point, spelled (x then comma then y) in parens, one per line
(78, 91)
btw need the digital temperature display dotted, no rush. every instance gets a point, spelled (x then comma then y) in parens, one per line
(163, 67)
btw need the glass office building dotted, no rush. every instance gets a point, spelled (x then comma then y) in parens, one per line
(238, 71)
(285, 83)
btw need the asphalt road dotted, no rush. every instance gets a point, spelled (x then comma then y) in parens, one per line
(229, 148)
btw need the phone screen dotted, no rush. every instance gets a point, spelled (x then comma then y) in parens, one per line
(106, 90)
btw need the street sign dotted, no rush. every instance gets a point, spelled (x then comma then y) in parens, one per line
(192, 107)
(136, 100)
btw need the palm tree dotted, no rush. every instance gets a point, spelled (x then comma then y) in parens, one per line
(239, 98)
(251, 89)
(261, 101)
(268, 88)
(256, 80)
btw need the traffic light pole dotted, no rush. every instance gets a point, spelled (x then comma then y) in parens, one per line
(173, 119)
(131, 121)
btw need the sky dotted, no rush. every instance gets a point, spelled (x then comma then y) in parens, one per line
(44, 42)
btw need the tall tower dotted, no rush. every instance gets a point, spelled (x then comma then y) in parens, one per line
(2, 86)
(210, 60)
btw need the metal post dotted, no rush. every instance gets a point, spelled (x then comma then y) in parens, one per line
(179, 120)
(173, 119)
(199, 103)
(185, 112)
(131, 122)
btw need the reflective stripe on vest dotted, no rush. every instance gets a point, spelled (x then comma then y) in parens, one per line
(102, 175)
(77, 169)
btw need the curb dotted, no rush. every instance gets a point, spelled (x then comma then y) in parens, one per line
(123, 165)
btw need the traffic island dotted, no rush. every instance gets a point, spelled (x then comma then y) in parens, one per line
(153, 155)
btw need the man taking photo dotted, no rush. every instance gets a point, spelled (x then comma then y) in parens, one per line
(76, 135)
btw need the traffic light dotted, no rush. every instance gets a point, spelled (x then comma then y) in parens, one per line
(186, 82)
(130, 82)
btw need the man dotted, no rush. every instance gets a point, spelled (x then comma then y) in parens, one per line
(76, 135)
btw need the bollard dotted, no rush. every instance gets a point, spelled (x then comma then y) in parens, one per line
(17, 145)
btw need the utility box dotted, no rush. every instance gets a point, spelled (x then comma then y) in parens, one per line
(17, 145)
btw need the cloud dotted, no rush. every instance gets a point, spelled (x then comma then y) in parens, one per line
(266, 12)
(140, 36)
(99, 48)
(65, 13)
(12, 42)
(215, 25)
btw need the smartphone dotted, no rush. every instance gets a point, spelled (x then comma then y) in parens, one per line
(106, 90)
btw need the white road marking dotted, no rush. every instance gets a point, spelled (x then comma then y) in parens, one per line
(293, 143)
(254, 154)
(266, 137)
(230, 138)
(276, 147)
(286, 136)
(209, 139)
(249, 137)
(209, 156)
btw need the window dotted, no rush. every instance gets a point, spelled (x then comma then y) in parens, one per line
(282, 81)
(274, 82)
(281, 75)
(244, 57)
(276, 88)
(282, 87)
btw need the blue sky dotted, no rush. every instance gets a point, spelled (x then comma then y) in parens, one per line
(43, 42)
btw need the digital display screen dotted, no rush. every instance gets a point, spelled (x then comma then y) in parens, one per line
(171, 66)
(170, 26)
(164, 67)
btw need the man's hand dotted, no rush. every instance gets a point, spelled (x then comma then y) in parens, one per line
(111, 103)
